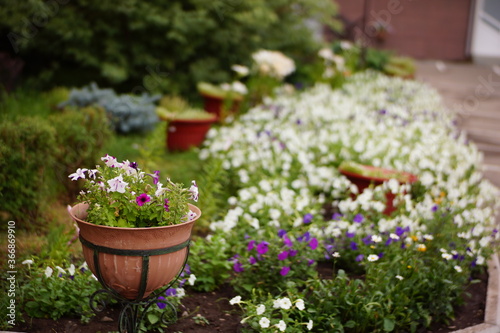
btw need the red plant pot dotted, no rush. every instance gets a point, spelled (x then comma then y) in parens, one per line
(215, 105)
(362, 182)
(184, 134)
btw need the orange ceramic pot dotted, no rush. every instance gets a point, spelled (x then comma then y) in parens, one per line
(362, 182)
(134, 262)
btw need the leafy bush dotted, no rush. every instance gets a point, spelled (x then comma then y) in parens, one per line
(31, 145)
(175, 43)
(81, 135)
(127, 113)
(26, 153)
(208, 262)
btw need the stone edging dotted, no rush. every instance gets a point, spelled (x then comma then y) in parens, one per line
(492, 312)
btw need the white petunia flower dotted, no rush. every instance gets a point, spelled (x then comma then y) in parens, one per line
(192, 279)
(48, 272)
(79, 174)
(300, 304)
(261, 308)
(117, 184)
(264, 322)
(281, 326)
(235, 300)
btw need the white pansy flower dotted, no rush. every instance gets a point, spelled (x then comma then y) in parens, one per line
(191, 279)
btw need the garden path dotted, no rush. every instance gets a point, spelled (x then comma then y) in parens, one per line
(474, 92)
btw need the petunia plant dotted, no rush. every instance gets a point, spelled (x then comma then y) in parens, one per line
(272, 265)
(119, 194)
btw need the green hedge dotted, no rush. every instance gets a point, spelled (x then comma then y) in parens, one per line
(154, 45)
(37, 155)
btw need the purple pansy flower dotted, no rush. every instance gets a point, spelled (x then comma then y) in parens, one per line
(287, 241)
(161, 305)
(281, 233)
(358, 218)
(434, 208)
(252, 260)
(354, 246)
(367, 240)
(307, 218)
(170, 292)
(166, 205)
(292, 253)
(306, 237)
(251, 245)
(350, 234)
(336, 216)
(360, 257)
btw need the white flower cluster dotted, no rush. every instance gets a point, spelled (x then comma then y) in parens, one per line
(285, 152)
(273, 63)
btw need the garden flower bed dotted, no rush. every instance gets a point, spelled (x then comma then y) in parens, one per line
(293, 245)
(291, 208)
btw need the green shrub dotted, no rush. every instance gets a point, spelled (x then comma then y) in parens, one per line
(81, 135)
(26, 152)
(174, 43)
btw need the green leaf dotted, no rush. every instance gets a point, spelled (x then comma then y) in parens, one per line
(388, 325)
(350, 324)
(153, 319)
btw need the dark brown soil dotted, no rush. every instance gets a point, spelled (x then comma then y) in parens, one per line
(211, 312)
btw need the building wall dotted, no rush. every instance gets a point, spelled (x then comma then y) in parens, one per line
(423, 29)
(486, 32)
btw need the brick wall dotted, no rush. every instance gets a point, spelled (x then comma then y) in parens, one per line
(424, 29)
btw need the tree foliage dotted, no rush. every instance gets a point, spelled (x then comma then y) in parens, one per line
(154, 45)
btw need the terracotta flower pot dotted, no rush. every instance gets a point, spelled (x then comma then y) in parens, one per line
(184, 134)
(363, 181)
(166, 249)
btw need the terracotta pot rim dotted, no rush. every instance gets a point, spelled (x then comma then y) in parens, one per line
(196, 210)
(210, 120)
(411, 177)
(236, 98)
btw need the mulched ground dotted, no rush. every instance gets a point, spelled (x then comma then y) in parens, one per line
(213, 308)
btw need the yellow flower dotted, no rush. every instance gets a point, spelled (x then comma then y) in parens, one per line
(421, 247)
